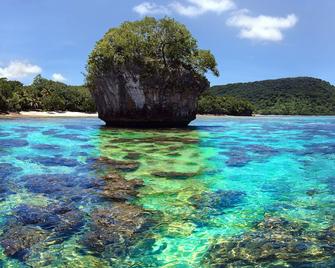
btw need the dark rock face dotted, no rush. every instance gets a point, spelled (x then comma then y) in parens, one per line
(128, 97)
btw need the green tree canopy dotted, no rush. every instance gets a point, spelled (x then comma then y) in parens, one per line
(290, 96)
(152, 44)
(44, 94)
(226, 105)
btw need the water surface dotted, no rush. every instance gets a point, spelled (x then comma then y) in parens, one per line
(221, 181)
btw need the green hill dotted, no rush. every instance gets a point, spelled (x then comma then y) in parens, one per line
(288, 96)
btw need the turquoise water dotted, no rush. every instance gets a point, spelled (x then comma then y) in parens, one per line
(220, 181)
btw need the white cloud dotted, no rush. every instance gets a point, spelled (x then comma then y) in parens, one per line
(262, 28)
(58, 77)
(148, 8)
(192, 8)
(19, 70)
(199, 7)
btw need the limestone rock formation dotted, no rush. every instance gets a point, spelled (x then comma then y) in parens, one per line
(148, 73)
(126, 98)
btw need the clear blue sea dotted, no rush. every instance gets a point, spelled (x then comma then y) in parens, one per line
(225, 192)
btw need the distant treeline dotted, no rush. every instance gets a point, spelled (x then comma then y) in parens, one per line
(44, 95)
(226, 105)
(47, 95)
(288, 96)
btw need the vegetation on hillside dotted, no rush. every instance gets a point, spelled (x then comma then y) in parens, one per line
(153, 46)
(289, 96)
(45, 95)
(227, 105)
(293, 96)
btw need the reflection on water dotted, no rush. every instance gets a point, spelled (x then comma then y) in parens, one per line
(75, 194)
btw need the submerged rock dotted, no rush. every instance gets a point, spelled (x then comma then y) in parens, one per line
(133, 156)
(175, 175)
(55, 185)
(54, 161)
(218, 200)
(17, 240)
(12, 143)
(62, 219)
(312, 192)
(274, 240)
(5, 190)
(32, 228)
(119, 164)
(117, 229)
(117, 188)
(7, 170)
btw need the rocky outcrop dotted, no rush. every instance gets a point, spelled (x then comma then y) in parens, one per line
(133, 97)
(275, 242)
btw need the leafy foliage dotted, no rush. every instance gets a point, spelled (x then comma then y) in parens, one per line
(7, 89)
(160, 45)
(289, 96)
(44, 94)
(224, 106)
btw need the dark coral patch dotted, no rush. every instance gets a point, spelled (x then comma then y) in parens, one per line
(25, 129)
(4, 134)
(59, 186)
(11, 143)
(275, 240)
(5, 190)
(31, 225)
(118, 229)
(62, 219)
(7, 170)
(75, 137)
(54, 161)
(133, 156)
(17, 240)
(117, 188)
(120, 165)
(238, 159)
(76, 127)
(218, 200)
(45, 147)
(322, 148)
(50, 132)
(175, 175)
(263, 150)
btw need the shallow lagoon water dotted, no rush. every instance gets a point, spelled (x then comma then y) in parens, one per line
(205, 185)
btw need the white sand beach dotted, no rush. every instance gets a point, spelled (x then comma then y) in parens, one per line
(36, 114)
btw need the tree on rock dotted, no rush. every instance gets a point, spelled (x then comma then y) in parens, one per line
(148, 73)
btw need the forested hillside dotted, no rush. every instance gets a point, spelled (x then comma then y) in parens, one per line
(288, 96)
(44, 95)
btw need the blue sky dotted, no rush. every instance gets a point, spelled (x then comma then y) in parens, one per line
(251, 39)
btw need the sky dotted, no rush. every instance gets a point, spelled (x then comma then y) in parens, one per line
(251, 39)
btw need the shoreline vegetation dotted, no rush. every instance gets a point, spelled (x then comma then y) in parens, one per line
(68, 114)
(48, 114)
(287, 96)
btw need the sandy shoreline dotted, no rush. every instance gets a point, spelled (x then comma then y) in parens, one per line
(33, 114)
